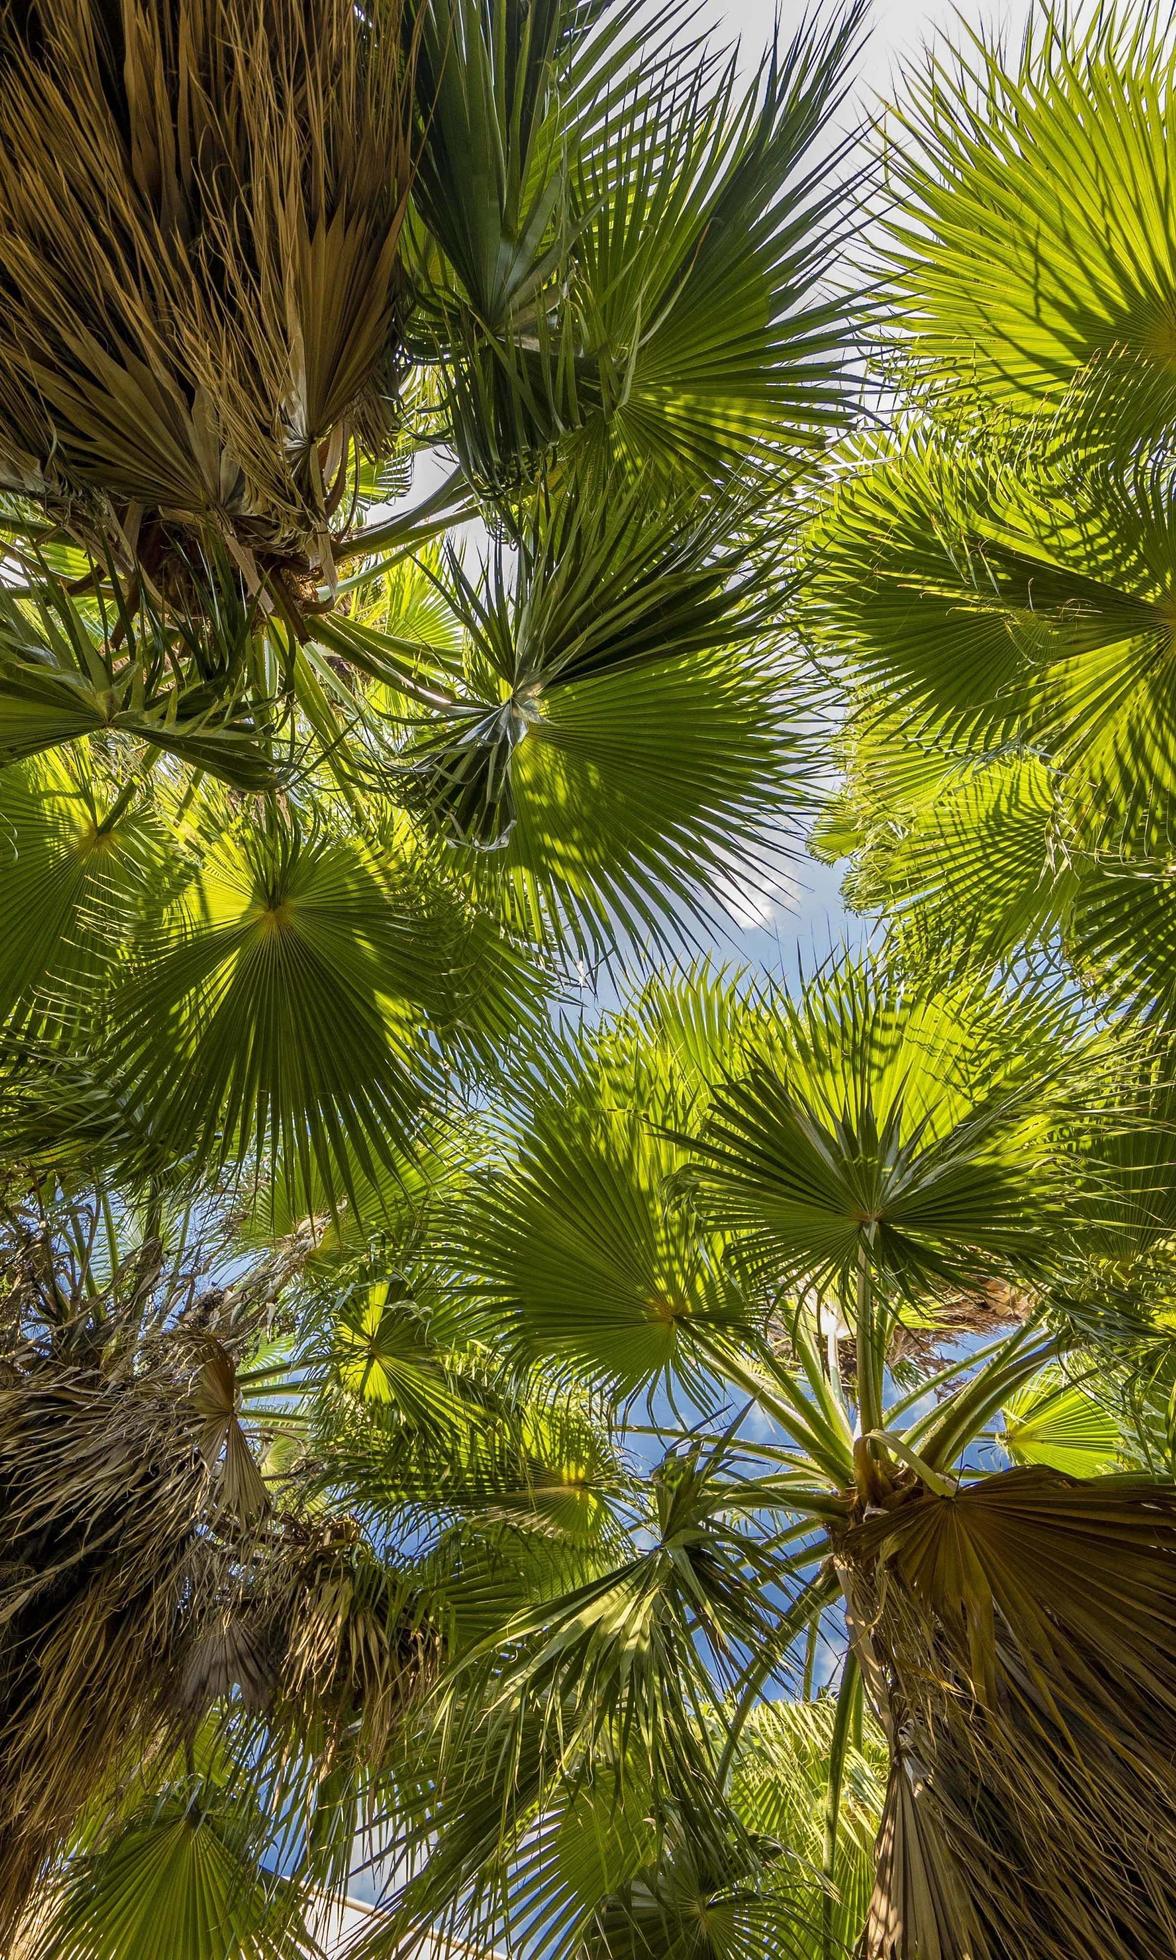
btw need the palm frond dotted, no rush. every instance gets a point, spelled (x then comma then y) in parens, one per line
(293, 997)
(628, 714)
(1059, 1424)
(70, 671)
(780, 1787)
(179, 1877)
(79, 862)
(1053, 164)
(191, 372)
(583, 1211)
(1047, 1604)
(680, 203)
(863, 1134)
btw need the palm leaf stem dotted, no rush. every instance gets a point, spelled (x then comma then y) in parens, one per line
(805, 1611)
(849, 1695)
(440, 511)
(947, 1431)
(831, 1451)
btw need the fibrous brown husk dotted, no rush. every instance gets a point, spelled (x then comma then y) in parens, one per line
(201, 204)
(145, 1577)
(100, 1493)
(355, 1651)
(1018, 1640)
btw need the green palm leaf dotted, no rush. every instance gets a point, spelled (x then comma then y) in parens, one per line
(704, 264)
(981, 870)
(179, 1878)
(695, 328)
(866, 1136)
(583, 1254)
(1122, 930)
(495, 87)
(78, 865)
(780, 1788)
(274, 1010)
(1054, 1422)
(628, 735)
(68, 671)
(1056, 167)
(1033, 606)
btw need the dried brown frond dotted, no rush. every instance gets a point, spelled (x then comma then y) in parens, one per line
(358, 1651)
(147, 1576)
(1017, 1643)
(200, 289)
(101, 1490)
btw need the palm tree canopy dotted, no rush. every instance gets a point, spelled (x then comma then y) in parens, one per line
(685, 1481)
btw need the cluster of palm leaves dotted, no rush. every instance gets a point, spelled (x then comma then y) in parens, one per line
(993, 575)
(687, 1483)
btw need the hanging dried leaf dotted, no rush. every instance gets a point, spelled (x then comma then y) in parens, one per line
(1018, 1638)
(199, 300)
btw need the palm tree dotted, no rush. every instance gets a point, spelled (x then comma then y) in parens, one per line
(256, 287)
(308, 814)
(507, 1493)
(993, 570)
(432, 1432)
(749, 1230)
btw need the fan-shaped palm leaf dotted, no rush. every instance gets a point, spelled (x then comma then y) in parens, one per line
(868, 1136)
(1056, 167)
(780, 1788)
(1057, 1423)
(584, 1255)
(180, 1878)
(1023, 607)
(68, 671)
(79, 864)
(679, 204)
(627, 713)
(294, 997)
